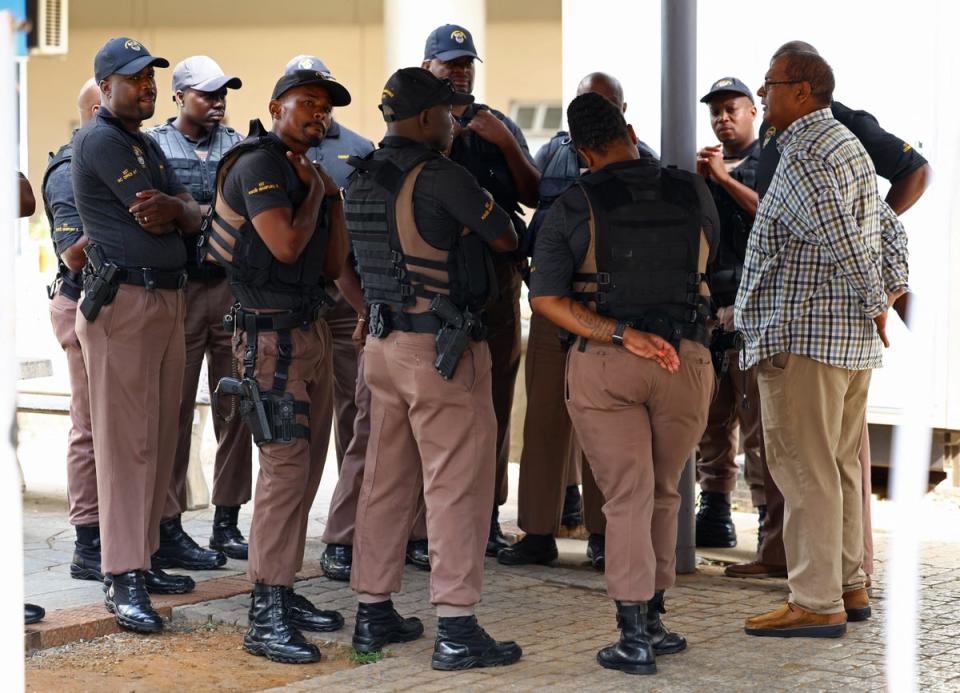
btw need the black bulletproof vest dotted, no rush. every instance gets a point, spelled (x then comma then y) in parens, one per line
(397, 266)
(63, 157)
(228, 238)
(644, 261)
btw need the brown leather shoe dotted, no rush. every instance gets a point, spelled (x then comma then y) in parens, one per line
(792, 621)
(857, 605)
(755, 569)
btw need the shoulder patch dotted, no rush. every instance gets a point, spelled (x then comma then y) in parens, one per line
(262, 186)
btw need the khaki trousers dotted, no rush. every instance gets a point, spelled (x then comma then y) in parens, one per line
(342, 516)
(503, 338)
(342, 320)
(637, 425)
(771, 550)
(441, 433)
(813, 416)
(551, 458)
(734, 412)
(81, 465)
(134, 355)
(290, 472)
(207, 302)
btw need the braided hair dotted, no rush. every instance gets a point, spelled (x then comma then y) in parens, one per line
(595, 123)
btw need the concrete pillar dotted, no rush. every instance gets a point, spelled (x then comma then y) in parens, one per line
(406, 26)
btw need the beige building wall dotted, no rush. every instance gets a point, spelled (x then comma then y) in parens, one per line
(523, 64)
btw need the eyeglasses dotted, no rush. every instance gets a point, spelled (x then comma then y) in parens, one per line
(767, 83)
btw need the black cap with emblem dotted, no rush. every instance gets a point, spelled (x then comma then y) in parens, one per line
(411, 90)
(339, 96)
(123, 56)
(726, 85)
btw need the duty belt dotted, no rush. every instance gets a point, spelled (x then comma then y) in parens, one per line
(151, 279)
(424, 323)
(69, 290)
(249, 321)
(206, 271)
(673, 330)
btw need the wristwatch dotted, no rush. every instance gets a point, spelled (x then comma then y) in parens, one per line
(334, 197)
(617, 336)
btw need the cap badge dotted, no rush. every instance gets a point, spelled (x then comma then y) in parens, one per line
(723, 83)
(305, 64)
(387, 93)
(132, 45)
(137, 152)
(458, 36)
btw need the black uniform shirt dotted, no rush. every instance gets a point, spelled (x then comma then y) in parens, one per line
(260, 180)
(338, 145)
(564, 237)
(446, 198)
(110, 166)
(66, 227)
(892, 157)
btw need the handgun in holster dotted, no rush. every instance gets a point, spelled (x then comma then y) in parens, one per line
(252, 409)
(99, 282)
(721, 342)
(459, 328)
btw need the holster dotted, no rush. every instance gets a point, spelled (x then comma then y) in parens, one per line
(100, 283)
(458, 330)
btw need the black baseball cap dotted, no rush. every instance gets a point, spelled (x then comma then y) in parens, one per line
(306, 62)
(449, 42)
(725, 85)
(339, 96)
(411, 90)
(123, 56)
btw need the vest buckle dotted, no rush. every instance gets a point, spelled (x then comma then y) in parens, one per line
(603, 278)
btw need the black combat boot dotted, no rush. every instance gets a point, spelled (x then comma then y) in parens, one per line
(271, 634)
(634, 653)
(496, 541)
(714, 524)
(305, 616)
(532, 549)
(463, 644)
(379, 623)
(761, 524)
(86, 554)
(179, 550)
(418, 554)
(596, 550)
(336, 561)
(572, 516)
(664, 642)
(226, 535)
(33, 613)
(128, 601)
(158, 582)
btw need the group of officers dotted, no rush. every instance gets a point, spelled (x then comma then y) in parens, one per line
(375, 290)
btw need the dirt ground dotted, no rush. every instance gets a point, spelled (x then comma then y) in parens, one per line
(208, 658)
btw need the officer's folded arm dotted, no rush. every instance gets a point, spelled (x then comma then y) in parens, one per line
(159, 213)
(337, 244)
(578, 319)
(506, 241)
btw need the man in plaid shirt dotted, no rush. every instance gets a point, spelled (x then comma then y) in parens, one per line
(823, 257)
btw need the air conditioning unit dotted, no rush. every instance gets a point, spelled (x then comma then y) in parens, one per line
(48, 27)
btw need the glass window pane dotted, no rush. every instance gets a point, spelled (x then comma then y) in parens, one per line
(525, 116)
(552, 118)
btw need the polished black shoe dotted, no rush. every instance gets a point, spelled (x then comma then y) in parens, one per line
(179, 550)
(128, 601)
(634, 653)
(159, 582)
(418, 554)
(226, 536)
(463, 644)
(305, 616)
(379, 624)
(596, 550)
(336, 562)
(572, 516)
(761, 524)
(86, 554)
(714, 524)
(33, 613)
(271, 634)
(496, 541)
(532, 549)
(664, 642)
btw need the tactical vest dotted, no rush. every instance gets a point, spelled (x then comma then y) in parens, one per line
(397, 266)
(229, 239)
(647, 255)
(54, 161)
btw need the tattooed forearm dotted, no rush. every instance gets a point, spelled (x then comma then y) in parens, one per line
(600, 328)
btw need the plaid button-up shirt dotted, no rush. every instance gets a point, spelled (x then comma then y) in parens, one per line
(821, 248)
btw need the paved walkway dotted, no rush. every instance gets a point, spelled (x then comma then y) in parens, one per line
(560, 615)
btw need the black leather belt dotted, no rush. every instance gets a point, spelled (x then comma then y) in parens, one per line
(415, 322)
(249, 321)
(205, 272)
(151, 279)
(70, 291)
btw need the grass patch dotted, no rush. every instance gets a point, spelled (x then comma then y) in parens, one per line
(362, 658)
